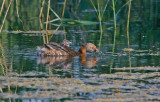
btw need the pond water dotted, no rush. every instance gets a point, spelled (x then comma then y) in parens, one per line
(122, 76)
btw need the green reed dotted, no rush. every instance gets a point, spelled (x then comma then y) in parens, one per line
(64, 6)
(100, 21)
(56, 19)
(128, 21)
(18, 15)
(100, 16)
(115, 27)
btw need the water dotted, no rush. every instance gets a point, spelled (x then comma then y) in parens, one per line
(124, 76)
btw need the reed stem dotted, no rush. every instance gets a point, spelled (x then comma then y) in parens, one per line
(41, 11)
(5, 15)
(100, 16)
(101, 33)
(115, 34)
(47, 14)
(64, 6)
(17, 9)
(100, 20)
(40, 20)
(18, 13)
(47, 20)
(2, 7)
(128, 21)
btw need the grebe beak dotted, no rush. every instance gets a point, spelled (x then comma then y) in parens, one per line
(96, 49)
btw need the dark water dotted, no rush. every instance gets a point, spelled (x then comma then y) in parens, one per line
(124, 76)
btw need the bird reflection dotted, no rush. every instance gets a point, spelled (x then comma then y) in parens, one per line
(88, 61)
(65, 61)
(55, 61)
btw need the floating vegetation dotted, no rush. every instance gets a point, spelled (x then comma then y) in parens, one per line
(36, 32)
(128, 49)
(149, 68)
(113, 87)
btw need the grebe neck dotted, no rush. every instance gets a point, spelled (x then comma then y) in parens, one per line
(82, 50)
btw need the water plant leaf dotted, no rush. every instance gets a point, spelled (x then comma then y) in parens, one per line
(68, 22)
(57, 19)
(55, 13)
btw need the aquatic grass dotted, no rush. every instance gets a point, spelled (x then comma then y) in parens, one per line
(113, 3)
(64, 6)
(57, 19)
(40, 15)
(2, 7)
(67, 22)
(100, 16)
(128, 32)
(54, 20)
(115, 27)
(111, 65)
(47, 38)
(71, 22)
(128, 21)
(48, 14)
(41, 10)
(5, 15)
(18, 14)
(40, 20)
(122, 7)
(45, 34)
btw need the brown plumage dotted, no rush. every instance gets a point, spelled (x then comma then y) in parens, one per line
(55, 49)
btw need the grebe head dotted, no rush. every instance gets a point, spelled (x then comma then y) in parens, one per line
(91, 48)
